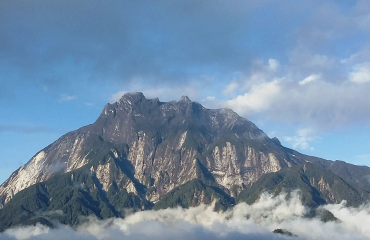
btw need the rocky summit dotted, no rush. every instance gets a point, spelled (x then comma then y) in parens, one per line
(142, 153)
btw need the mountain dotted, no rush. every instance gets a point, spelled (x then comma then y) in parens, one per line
(316, 184)
(142, 153)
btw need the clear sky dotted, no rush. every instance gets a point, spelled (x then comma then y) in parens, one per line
(300, 70)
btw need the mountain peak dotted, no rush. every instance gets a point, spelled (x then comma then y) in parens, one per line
(133, 97)
(141, 152)
(185, 99)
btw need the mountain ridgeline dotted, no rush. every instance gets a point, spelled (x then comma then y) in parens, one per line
(145, 154)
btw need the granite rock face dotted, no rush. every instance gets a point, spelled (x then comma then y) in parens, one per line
(162, 145)
(164, 141)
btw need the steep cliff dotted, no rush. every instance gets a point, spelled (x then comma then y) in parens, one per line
(163, 142)
(142, 153)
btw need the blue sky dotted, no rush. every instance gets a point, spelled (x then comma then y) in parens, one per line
(298, 69)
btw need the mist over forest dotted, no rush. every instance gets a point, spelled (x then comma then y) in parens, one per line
(257, 221)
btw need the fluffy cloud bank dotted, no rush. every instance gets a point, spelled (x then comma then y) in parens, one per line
(244, 221)
(316, 100)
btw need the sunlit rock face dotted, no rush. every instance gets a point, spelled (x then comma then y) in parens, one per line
(67, 153)
(166, 145)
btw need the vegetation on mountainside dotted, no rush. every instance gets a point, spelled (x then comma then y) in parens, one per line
(317, 186)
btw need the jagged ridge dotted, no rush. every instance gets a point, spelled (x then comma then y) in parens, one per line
(163, 141)
(152, 151)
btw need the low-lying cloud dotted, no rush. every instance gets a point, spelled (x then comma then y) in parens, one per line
(244, 221)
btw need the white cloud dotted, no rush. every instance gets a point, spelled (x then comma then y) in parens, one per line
(274, 64)
(244, 221)
(311, 78)
(230, 88)
(28, 232)
(361, 73)
(116, 96)
(325, 101)
(322, 104)
(302, 139)
(302, 60)
(355, 219)
(210, 98)
(89, 104)
(66, 98)
(312, 91)
(258, 99)
(212, 102)
(262, 87)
